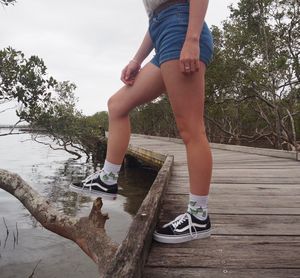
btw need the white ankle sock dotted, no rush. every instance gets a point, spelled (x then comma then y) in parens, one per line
(110, 167)
(198, 206)
(110, 173)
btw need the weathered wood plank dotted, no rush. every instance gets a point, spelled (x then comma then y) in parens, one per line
(156, 159)
(258, 151)
(225, 147)
(215, 240)
(222, 210)
(292, 201)
(229, 166)
(225, 206)
(240, 224)
(229, 252)
(167, 272)
(269, 190)
(132, 253)
(256, 172)
(248, 180)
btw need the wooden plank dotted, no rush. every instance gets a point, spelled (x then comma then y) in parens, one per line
(229, 252)
(131, 255)
(243, 224)
(254, 172)
(259, 151)
(229, 166)
(292, 201)
(228, 208)
(268, 190)
(155, 159)
(248, 158)
(216, 240)
(228, 199)
(217, 162)
(242, 173)
(222, 272)
(224, 210)
(265, 167)
(245, 180)
(227, 147)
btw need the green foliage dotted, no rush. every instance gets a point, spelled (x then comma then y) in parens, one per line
(7, 2)
(99, 119)
(154, 118)
(24, 80)
(253, 86)
(62, 122)
(47, 104)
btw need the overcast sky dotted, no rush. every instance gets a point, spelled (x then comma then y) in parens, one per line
(86, 42)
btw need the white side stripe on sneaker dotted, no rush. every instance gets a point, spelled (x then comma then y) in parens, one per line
(91, 177)
(191, 226)
(194, 225)
(94, 184)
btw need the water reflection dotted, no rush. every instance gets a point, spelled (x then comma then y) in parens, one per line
(134, 184)
(50, 173)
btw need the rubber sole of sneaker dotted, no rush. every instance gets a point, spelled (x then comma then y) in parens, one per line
(88, 192)
(182, 238)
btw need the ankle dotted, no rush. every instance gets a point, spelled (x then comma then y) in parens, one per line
(199, 213)
(198, 206)
(109, 178)
(111, 167)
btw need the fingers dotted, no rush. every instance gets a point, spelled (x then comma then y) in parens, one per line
(189, 66)
(124, 75)
(128, 76)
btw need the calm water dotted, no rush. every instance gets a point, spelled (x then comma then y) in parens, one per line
(50, 172)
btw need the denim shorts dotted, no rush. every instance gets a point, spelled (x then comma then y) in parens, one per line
(167, 30)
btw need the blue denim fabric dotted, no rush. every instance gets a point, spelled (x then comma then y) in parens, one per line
(168, 29)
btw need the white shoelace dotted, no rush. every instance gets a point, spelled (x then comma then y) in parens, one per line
(180, 219)
(91, 177)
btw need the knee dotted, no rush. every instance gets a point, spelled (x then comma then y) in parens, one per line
(115, 108)
(190, 131)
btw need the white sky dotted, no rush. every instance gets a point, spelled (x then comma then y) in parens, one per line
(86, 42)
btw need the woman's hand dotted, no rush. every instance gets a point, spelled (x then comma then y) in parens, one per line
(189, 56)
(130, 72)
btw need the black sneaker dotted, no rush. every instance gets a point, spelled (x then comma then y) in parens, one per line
(184, 227)
(93, 185)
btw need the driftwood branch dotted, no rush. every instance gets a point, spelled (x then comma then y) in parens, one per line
(12, 129)
(87, 232)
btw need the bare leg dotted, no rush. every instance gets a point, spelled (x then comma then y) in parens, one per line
(147, 86)
(186, 94)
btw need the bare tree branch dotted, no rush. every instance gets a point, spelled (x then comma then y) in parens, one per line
(62, 144)
(236, 100)
(14, 133)
(10, 108)
(12, 129)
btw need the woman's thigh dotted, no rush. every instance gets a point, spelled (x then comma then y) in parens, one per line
(148, 85)
(186, 93)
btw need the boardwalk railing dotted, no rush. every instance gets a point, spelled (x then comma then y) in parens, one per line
(295, 155)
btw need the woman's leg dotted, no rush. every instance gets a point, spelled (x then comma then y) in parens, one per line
(186, 94)
(147, 86)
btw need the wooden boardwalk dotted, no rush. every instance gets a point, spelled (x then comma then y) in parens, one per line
(254, 206)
